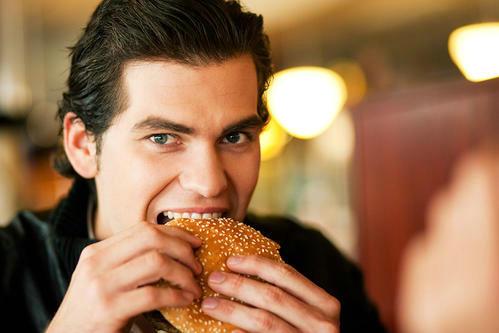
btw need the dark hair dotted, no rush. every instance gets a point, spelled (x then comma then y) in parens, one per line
(194, 32)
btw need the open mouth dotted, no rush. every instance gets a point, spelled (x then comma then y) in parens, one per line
(167, 216)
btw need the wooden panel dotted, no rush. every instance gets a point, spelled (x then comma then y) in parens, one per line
(406, 146)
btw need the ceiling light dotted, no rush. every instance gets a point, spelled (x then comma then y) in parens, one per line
(305, 100)
(475, 50)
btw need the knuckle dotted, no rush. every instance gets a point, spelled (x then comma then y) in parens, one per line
(332, 307)
(152, 295)
(253, 258)
(184, 250)
(264, 321)
(257, 260)
(151, 233)
(327, 327)
(227, 307)
(169, 270)
(174, 297)
(88, 252)
(155, 260)
(237, 282)
(184, 274)
(188, 275)
(105, 303)
(86, 267)
(286, 271)
(273, 295)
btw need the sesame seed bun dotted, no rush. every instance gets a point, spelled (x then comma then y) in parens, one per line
(221, 238)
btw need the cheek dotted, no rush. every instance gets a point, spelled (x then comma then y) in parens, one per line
(243, 172)
(128, 182)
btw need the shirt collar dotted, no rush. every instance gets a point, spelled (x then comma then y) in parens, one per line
(68, 226)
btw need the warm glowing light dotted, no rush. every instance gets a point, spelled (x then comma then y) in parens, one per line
(272, 140)
(475, 50)
(305, 100)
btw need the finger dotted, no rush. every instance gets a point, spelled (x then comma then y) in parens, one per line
(149, 268)
(149, 298)
(271, 298)
(244, 317)
(134, 231)
(287, 278)
(149, 238)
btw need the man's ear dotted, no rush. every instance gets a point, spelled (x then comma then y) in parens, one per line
(80, 146)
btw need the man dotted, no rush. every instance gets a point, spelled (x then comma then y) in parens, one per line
(161, 119)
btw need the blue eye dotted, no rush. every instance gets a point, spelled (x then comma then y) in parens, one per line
(162, 139)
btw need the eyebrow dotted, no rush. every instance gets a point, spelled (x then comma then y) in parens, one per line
(253, 121)
(161, 124)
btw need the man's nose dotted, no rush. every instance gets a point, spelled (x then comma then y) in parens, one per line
(204, 174)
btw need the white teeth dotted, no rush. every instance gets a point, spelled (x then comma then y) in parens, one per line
(174, 215)
(212, 215)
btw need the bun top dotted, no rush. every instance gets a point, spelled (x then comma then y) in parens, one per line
(221, 238)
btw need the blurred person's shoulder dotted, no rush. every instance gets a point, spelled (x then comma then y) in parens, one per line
(25, 226)
(20, 237)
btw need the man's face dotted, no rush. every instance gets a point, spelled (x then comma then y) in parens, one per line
(186, 144)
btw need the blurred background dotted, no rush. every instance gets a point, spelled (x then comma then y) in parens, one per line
(380, 98)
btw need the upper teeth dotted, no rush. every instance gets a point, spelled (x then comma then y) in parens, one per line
(175, 215)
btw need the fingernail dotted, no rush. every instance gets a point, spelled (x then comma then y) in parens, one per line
(234, 260)
(217, 277)
(199, 268)
(210, 303)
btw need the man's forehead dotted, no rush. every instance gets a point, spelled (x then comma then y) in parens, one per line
(185, 94)
(176, 83)
(186, 75)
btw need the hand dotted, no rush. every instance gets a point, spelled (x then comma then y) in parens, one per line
(450, 282)
(111, 283)
(285, 302)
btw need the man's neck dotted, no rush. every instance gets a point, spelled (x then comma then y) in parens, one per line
(101, 230)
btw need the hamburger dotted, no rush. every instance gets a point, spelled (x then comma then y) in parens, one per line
(221, 238)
